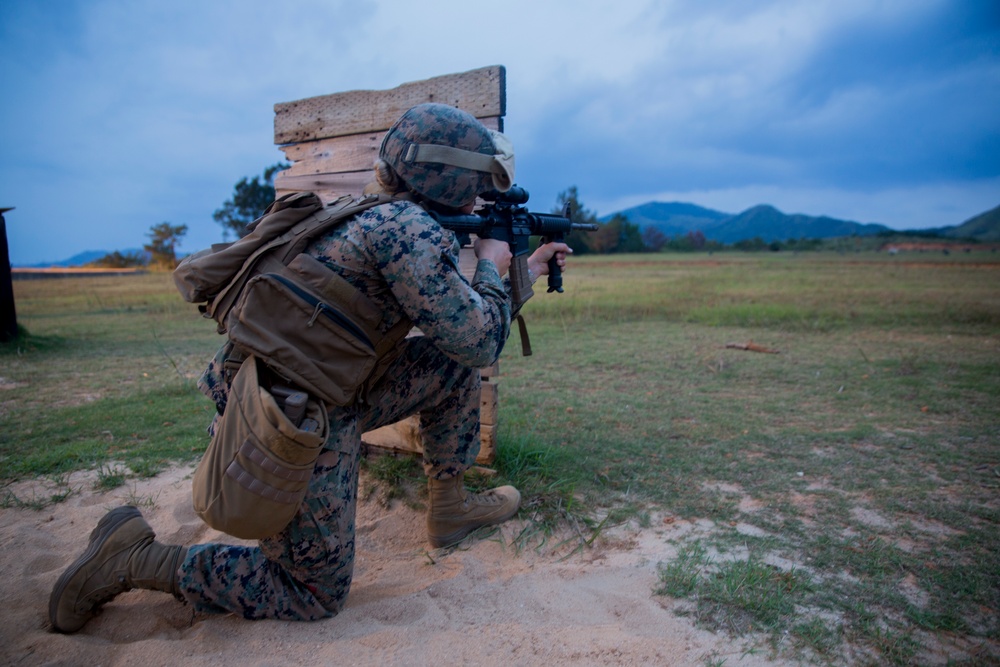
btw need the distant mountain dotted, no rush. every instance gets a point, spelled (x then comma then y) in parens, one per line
(983, 227)
(771, 224)
(80, 259)
(762, 221)
(674, 218)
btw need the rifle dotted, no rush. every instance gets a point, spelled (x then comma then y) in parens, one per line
(504, 218)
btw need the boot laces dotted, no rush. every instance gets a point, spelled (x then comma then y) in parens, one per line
(488, 497)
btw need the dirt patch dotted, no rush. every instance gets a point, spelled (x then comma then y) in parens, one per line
(485, 603)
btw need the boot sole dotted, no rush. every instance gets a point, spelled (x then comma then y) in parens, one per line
(105, 528)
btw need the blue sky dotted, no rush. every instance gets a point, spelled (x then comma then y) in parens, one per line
(121, 114)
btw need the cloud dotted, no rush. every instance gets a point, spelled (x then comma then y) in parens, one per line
(808, 96)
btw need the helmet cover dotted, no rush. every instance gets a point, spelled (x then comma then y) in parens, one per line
(446, 155)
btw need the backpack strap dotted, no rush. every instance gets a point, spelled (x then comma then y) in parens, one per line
(522, 328)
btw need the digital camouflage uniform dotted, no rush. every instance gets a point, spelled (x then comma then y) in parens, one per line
(407, 264)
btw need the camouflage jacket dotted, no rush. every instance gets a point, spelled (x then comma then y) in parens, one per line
(407, 264)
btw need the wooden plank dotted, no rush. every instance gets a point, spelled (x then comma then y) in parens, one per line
(481, 92)
(333, 155)
(402, 436)
(487, 443)
(327, 186)
(489, 404)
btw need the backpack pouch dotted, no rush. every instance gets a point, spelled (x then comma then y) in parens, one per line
(256, 470)
(308, 328)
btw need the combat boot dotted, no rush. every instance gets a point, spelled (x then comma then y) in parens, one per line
(121, 556)
(454, 512)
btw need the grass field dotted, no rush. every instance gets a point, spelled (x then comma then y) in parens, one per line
(846, 490)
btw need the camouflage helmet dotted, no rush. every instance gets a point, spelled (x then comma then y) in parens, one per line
(446, 155)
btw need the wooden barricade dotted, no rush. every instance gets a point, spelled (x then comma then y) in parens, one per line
(332, 142)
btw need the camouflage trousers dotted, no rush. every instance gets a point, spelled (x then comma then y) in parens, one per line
(304, 572)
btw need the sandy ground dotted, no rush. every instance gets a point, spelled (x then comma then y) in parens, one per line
(482, 604)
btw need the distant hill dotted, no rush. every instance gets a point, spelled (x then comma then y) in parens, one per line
(771, 224)
(762, 221)
(674, 218)
(80, 259)
(983, 227)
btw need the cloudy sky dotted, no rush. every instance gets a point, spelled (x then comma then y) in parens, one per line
(121, 114)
